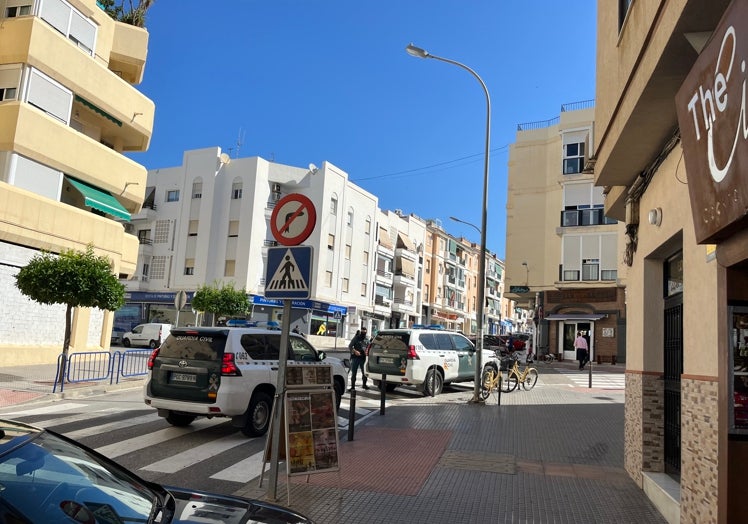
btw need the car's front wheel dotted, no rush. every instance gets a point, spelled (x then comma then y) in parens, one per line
(126, 342)
(258, 415)
(179, 420)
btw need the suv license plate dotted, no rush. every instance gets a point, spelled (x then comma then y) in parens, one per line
(386, 360)
(183, 377)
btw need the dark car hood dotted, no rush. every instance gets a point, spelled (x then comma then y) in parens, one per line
(197, 506)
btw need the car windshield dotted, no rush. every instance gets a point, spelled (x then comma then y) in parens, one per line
(48, 479)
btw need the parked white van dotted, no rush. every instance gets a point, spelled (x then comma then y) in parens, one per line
(146, 335)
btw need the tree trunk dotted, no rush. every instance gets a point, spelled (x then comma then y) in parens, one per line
(65, 345)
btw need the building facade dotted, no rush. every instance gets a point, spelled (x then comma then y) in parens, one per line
(672, 159)
(208, 221)
(68, 112)
(562, 252)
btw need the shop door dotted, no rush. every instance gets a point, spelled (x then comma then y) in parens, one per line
(570, 335)
(673, 368)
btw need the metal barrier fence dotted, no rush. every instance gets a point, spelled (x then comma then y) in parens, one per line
(98, 366)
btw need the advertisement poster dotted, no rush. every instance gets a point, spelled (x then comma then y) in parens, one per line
(311, 432)
(307, 375)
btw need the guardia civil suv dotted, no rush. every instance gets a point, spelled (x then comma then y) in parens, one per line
(425, 358)
(226, 372)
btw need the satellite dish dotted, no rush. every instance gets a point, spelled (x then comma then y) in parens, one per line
(313, 169)
(224, 158)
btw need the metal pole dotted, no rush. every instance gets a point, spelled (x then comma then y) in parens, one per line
(278, 401)
(421, 53)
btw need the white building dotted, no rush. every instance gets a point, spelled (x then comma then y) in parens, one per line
(208, 221)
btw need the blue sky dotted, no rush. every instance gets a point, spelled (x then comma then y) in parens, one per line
(300, 82)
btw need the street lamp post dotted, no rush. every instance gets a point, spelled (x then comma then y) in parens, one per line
(422, 53)
(478, 230)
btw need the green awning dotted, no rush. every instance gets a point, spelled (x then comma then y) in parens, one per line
(101, 200)
(98, 110)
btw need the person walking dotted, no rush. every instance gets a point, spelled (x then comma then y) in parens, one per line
(583, 354)
(357, 347)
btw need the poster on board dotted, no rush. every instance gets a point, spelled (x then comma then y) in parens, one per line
(311, 432)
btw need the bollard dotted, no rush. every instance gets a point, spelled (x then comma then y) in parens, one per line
(501, 378)
(382, 392)
(352, 414)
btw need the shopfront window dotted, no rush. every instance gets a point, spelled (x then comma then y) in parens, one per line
(739, 352)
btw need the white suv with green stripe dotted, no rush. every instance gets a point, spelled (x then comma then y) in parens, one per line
(426, 358)
(226, 372)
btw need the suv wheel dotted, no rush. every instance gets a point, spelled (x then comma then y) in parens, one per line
(258, 415)
(433, 384)
(179, 420)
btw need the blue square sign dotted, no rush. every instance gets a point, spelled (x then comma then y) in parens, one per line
(288, 273)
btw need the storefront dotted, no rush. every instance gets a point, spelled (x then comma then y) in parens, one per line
(313, 317)
(144, 306)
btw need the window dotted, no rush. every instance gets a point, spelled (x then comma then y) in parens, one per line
(428, 266)
(7, 93)
(49, 95)
(345, 285)
(366, 258)
(18, 10)
(623, 9)
(192, 231)
(172, 195)
(236, 191)
(347, 251)
(229, 268)
(363, 289)
(189, 266)
(367, 227)
(328, 278)
(334, 205)
(330, 242)
(589, 257)
(146, 267)
(591, 269)
(233, 228)
(70, 22)
(159, 268)
(349, 218)
(573, 158)
(197, 189)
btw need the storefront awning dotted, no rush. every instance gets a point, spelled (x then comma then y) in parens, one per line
(101, 200)
(572, 316)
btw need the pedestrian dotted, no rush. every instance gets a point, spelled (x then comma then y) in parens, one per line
(583, 355)
(357, 347)
(322, 328)
(510, 344)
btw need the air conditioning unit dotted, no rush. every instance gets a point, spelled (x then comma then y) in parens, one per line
(129, 228)
(276, 188)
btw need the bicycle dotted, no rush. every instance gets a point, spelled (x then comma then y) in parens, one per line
(548, 358)
(528, 377)
(492, 378)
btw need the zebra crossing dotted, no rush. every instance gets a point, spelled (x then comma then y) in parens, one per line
(600, 380)
(208, 455)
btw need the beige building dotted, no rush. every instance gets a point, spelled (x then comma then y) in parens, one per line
(561, 251)
(68, 112)
(672, 158)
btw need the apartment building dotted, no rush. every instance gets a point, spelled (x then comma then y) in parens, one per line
(561, 251)
(399, 271)
(208, 221)
(672, 158)
(68, 112)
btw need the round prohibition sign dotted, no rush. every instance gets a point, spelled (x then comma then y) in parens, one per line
(293, 219)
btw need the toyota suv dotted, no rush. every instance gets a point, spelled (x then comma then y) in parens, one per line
(226, 372)
(426, 358)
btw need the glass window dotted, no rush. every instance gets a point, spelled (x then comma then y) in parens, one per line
(591, 269)
(334, 206)
(349, 218)
(328, 278)
(739, 352)
(573, 158)
(192, 228)
(330, 242)
(345, 285)
(172, 195)
(229, 268)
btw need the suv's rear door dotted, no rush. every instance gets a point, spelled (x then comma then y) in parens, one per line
(188, 365)
(388, 353)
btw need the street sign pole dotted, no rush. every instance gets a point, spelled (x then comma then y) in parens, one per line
(180, 300)
(279, 403)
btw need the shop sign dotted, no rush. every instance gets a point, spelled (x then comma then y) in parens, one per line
(711, 108)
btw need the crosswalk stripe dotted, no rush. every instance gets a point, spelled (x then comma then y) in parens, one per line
(53, 422)
(197, 454)
(162, 435)
(45, 410)
(243, 471)
(117, 425)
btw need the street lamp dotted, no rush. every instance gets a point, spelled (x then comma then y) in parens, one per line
(422, 53)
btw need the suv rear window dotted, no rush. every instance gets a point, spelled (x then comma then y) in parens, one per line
(391, 341)
(436, 340)
(194, 345)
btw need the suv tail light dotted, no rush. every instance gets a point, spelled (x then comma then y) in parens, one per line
(228, 366)
(152, 358)
(412, 355)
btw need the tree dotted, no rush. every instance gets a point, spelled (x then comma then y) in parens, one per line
(135, 15)
(75, 279)
(220, 301)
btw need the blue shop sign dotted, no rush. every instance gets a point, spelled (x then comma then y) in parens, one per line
(300, 304)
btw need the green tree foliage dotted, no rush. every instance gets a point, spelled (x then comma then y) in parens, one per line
(75, 279)
(133, 14)
(224, 300)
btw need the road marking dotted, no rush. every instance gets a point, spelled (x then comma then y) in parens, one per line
(244, 470)
(45, 410)
(197, 454)
(112, 426)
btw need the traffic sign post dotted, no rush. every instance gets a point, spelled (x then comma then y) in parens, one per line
(293, 219)
(180, 300)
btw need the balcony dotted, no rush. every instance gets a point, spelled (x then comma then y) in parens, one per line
(379, 300)
(129, 51)
(402, 305)
(404, 279)
(384, 277)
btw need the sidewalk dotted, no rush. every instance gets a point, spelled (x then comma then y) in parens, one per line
(553, 454)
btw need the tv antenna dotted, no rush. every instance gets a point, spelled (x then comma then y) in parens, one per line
(239, 141)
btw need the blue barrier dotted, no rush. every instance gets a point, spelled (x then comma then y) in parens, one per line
(97, 366)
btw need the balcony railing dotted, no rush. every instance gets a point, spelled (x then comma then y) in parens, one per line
(585, 217)
(383, 273)
(269, 243)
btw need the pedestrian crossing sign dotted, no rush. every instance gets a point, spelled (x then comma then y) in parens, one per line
(288, 272)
